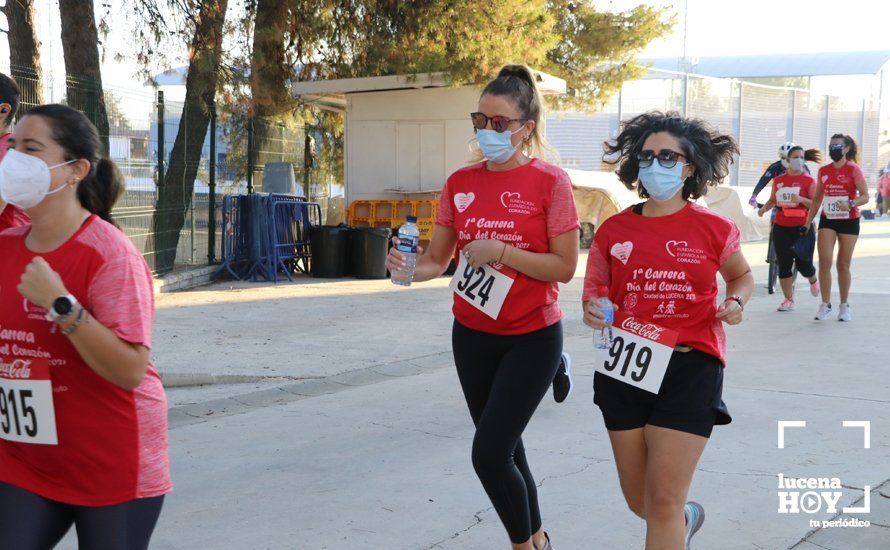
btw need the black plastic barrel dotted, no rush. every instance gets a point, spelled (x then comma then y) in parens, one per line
(329, 250)
(368, 247)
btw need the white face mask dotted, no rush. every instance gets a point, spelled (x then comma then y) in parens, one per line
(25, 179)
(796, 164)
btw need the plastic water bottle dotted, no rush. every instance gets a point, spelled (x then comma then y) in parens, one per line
(409, 238)
(602, 339)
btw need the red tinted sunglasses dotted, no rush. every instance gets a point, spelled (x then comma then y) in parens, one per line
(498, 123)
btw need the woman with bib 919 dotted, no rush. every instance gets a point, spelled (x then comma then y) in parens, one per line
(83, 416)
(659, 382)
(840, 191)
(513, 223)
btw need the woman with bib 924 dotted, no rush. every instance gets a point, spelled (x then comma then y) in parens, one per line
(840, 191)
(513, 223)
(83, 415)
(657, 262)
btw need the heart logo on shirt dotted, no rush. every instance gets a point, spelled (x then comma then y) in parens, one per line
(824, 179)
(507, 196)
(672, 246)
(622, 251)
(463, 201)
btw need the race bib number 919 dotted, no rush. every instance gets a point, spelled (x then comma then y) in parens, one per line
(27, 413)
(485, 288)
(639, 353)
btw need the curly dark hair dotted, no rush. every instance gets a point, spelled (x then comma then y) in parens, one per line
(708, 151)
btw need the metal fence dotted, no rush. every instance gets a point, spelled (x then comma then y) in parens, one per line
(143, 128)
(760, 117)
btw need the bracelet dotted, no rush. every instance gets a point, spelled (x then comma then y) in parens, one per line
(77, 321)
(737, 299)
(504, 251)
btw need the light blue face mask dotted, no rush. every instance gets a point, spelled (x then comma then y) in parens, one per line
(662, 183)
(497, 146)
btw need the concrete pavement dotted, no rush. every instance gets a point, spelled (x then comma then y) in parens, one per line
(321, 432)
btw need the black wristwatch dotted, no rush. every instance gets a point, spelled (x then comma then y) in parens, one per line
(62, 307)
(736, 298)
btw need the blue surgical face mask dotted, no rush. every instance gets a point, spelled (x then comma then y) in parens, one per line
(662, 183)
(497, 146)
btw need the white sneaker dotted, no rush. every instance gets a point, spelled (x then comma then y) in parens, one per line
(787, 305)
(823, 313)
(845, 314)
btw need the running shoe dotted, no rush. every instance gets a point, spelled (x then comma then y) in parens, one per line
(814, 288)
(823, 313)
(787, 305)
(562, 382)
(695, 517)
(845, 314)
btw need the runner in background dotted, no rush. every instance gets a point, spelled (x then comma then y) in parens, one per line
(658, 261)
(513, 224)
(778, 168)
(792, 192)
(10, 216)
(840, 191)
(83, 415)
(883, 192)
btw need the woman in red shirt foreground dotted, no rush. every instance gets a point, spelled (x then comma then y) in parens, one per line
(513, 223)
(792, 241)
(659, 383)
(83, 416)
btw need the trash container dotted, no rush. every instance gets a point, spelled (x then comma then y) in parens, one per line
(368, 247)
(329, 250)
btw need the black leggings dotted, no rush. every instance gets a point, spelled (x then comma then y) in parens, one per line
(783, 241)
(31, 522)
(504, 379)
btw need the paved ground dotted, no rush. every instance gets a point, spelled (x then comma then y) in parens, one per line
(319, 431)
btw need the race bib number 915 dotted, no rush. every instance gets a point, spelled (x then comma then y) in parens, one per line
(27, 413)
(639, 354)
(485, 288)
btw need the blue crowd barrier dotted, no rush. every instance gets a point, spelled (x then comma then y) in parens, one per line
(266, 234)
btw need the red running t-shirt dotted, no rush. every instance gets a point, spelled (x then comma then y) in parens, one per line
(112, 443)
(10, 216)
(524, 207)
(664, 270)
(841, 182)
(793, 216)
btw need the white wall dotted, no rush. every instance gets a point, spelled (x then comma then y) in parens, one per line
(406, 139)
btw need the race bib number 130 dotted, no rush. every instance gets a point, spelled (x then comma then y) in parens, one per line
(27, 413)
(639, 354)
(485, 288)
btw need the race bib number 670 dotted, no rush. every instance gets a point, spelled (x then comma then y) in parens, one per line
(27, 414)
(485, 288)
(639, 354)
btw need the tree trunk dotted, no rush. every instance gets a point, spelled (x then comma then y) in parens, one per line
(268, 74)
(80, 44)
(177, 186)
(24, 51)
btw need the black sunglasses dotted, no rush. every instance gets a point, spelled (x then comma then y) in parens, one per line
(498, 123)
(666, 158)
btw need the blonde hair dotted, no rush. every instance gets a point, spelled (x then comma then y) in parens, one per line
(517, 82)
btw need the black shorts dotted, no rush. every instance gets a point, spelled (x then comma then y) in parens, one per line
(841, 227)
(690, 399)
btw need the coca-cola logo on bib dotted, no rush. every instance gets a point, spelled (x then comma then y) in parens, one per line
(15, 369)
(649, 331)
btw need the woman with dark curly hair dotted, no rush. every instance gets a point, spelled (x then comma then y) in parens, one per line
(659, 383)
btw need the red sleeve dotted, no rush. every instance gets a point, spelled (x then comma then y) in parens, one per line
(562, 215)
(732, 244)
(445, 214)
(598, 272)
(122, 298)
(12, 216)
(858, 176)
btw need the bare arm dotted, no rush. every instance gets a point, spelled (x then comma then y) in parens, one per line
(815, 204)
(431, 263)
(558, 265)
(739, 282)
(863, 197)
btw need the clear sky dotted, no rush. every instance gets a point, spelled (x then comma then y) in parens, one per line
(744, 27)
